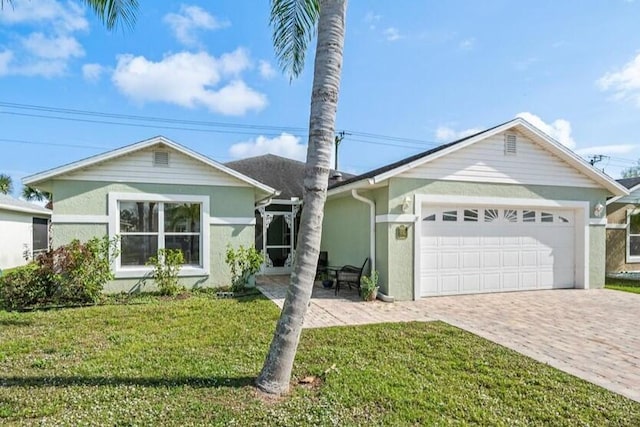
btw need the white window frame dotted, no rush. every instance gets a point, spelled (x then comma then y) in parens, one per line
(122, 272)
(631, 259)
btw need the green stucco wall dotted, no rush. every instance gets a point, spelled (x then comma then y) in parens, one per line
(91, 198)
(345, 231)
(394, 257)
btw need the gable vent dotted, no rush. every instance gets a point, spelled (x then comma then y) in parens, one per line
(510, 146)
(160, 158)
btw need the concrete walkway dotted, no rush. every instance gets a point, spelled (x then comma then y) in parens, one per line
(593, 334)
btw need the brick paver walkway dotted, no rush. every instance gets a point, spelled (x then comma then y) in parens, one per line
(593, 334)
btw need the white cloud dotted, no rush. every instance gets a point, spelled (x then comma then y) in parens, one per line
(47, 51)
(392, 34)
(189, 80)
(372, 19)
(285, 145)
(624, 83)
(607, 149)
(266, 70)
(467, 44)
(446, 134)
(559, 129)
(189, 21)
(64, 18)
(6, 57)
(57, 47)
(525, 64)
(92, 72)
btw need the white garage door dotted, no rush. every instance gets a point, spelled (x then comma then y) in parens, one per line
(467, 250)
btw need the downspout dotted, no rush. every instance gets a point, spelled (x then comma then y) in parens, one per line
(372, 236)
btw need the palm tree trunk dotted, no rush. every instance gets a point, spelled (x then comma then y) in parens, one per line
(276, 372)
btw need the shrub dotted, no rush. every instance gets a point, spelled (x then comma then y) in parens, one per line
(369, 286)
(244, 263)
(22, 287)
(71, 274)
(166, 267)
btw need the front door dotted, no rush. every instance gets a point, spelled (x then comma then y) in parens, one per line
(277, 236)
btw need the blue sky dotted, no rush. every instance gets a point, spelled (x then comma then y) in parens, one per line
(416, 74)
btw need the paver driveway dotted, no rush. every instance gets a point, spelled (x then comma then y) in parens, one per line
(592, 334)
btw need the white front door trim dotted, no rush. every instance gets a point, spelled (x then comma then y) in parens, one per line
(582, 222)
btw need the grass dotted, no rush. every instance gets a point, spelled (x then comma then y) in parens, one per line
(625, 285)
(192, 361)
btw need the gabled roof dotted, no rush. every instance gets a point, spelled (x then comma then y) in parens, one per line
(11, 204)
(33, 180)
(632, 184)
(281, 173)
(385, 172)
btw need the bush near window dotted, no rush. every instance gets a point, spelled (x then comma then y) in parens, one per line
(71, 274)
(166, 267)
(243, 262)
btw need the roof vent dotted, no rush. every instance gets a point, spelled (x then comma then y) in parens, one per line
(336, 176)
(161, 158)
(510, 147)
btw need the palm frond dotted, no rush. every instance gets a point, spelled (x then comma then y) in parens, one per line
(294, 26)
(115, 12)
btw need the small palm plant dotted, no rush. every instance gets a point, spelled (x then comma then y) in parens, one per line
(369, 286)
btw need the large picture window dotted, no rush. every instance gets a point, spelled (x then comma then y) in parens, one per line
(146, 223)
(633, 236)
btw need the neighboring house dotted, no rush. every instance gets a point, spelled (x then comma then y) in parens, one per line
(623, 229)
(24, 231)
(277, 219)
(506, 209)
(155, 194)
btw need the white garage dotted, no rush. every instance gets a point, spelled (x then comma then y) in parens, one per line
(474, 249)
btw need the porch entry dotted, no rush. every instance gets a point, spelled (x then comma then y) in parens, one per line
(276, 235)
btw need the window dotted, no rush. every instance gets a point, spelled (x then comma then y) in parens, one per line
(471, 215)
(146, 223)
(450, 215)
(40, 241)
(511, 215)
(528, 216)
(490, 215)
(431, 217)
(546, 217)
(633, 236)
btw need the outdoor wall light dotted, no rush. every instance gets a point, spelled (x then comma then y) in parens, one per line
(406, 204)
(598, 209)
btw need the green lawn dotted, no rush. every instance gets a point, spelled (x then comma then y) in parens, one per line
(192, 361)
(625, 285)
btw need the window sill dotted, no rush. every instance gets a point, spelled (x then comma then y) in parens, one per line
(143, 273)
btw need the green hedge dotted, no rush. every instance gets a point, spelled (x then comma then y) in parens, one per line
(69, 275)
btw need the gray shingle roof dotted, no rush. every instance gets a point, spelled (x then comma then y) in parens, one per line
(281, 173)
(630, 182)
(13, 204)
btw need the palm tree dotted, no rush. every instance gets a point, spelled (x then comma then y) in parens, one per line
(294, 23)
(6, 184)
(111, 12)
(33, 194)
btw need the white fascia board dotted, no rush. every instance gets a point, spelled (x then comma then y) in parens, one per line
(554, 147)
(34, 211)
(366, 183)
(630, 190)
(576, 161)
(52, 173)
(444, 152)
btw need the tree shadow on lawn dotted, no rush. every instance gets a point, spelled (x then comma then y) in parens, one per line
(73, 381)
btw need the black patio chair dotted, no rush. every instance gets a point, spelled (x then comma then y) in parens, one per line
(350, 275)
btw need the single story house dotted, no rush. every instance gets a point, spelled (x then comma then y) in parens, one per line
(623, 229)
(155, 194)
(277, 219)
(24, 231)
(506, 209)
